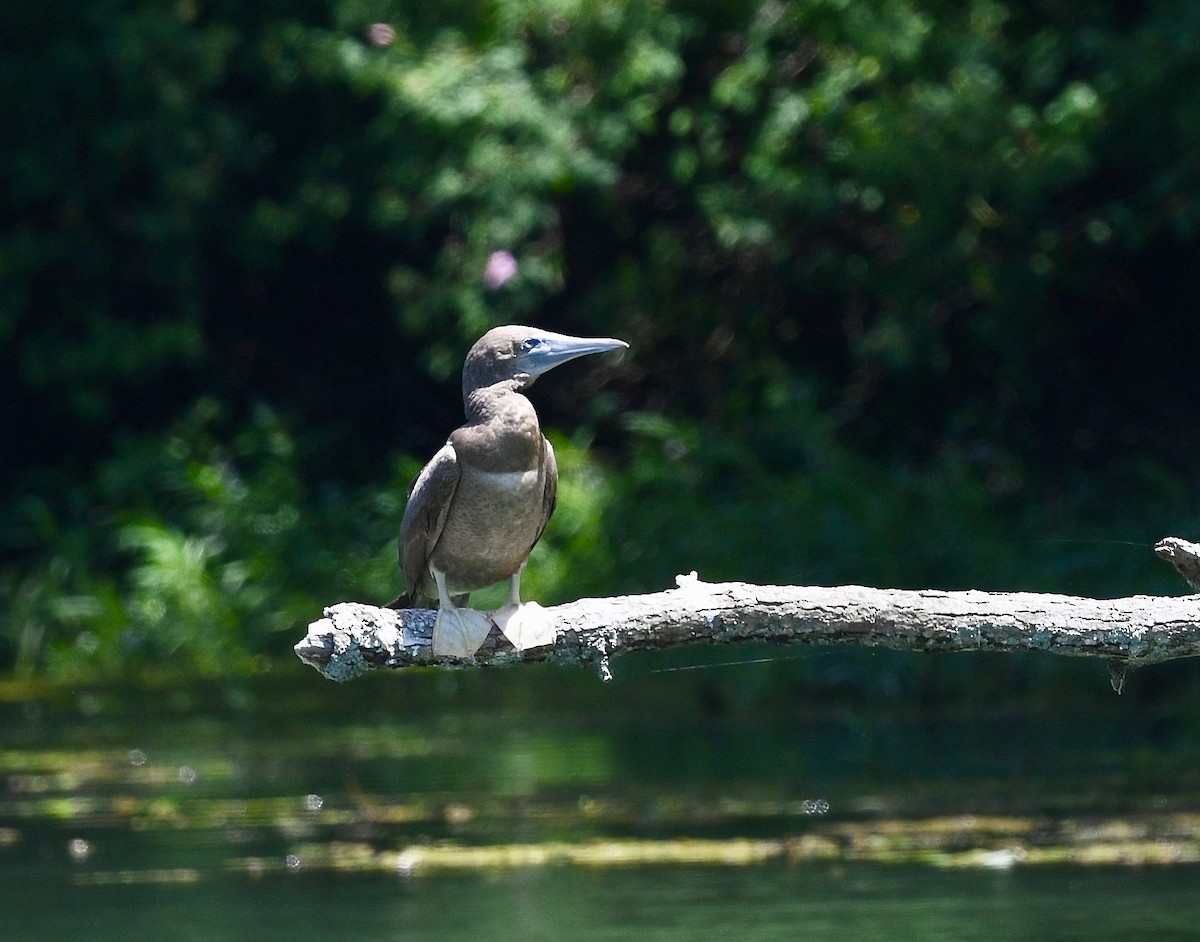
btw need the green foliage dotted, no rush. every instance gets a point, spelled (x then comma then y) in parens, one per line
(205, 550)
(903, 283)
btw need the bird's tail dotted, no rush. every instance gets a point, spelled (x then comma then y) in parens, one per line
(404, 600)
(413, 599)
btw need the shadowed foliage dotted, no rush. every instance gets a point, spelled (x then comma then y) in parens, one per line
(908, 285)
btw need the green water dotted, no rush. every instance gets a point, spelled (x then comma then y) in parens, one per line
(768, 903)
(295, 809)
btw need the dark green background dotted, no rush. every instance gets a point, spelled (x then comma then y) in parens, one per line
(910, 289)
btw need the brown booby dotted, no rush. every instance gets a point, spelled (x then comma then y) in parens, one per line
(480, 505)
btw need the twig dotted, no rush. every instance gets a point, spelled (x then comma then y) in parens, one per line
(1184, 556)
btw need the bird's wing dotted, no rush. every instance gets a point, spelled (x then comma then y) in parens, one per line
(550, 495)
(429, 501)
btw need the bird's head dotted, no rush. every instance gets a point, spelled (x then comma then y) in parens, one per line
(523, 354)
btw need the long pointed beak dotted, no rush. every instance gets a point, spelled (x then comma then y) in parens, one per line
(546, 350)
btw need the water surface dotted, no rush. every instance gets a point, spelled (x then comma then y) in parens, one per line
(528, 805)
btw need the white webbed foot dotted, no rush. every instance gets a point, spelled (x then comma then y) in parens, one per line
(526, 626)
(459, 632)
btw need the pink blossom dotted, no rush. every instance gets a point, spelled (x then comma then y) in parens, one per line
(500, 268)
(381, 34)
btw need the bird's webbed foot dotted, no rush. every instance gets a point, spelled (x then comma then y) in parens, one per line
(526, 626)
(459, 632)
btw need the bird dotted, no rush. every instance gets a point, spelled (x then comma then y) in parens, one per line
(481, 504)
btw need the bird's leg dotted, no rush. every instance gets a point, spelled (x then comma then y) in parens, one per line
(458, 632)
(526, 626)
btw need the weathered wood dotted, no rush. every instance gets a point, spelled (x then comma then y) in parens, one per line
(1128, 632)
(1184, 556)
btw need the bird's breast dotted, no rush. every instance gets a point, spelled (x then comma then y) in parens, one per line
(503, 483)
(492, 524)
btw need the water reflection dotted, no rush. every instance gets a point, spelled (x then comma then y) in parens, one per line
(489, 793)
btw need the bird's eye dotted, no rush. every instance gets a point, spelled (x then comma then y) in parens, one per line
(531, 344)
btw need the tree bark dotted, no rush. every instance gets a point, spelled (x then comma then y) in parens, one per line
(1130, 632)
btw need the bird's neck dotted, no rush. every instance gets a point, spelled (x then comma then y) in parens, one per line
(496, 402)
(502, 430)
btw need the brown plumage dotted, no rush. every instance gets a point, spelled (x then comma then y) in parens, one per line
(478, 508)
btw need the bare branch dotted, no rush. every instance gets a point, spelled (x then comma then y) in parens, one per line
(1129, 632)
(1184, 556)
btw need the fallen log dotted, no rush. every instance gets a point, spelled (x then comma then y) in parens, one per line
(1130, 632)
